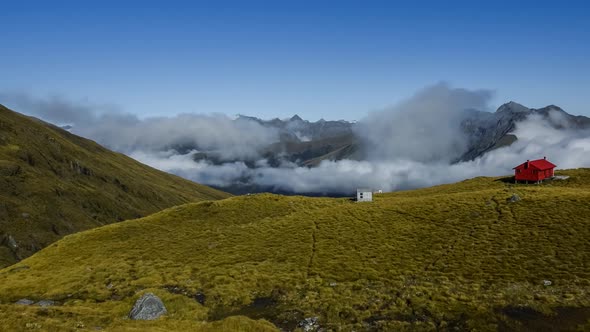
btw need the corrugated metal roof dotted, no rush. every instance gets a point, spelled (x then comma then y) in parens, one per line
(540, 164)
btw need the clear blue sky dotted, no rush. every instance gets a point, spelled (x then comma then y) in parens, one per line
(331, 59)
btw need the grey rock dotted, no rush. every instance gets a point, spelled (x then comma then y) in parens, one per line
(11, 242)
(148, 307)
(25, 302)
(45, 303)
(514, 198)
(309, 324)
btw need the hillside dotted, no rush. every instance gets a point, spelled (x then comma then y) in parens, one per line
(53, 183)
(452, 257)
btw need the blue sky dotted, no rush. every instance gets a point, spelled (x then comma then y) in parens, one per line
(330, 59)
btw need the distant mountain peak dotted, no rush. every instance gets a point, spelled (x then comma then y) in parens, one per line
(512, 107)
(553, 108)
(296, 118)
(246, 118)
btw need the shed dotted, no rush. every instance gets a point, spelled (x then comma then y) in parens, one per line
(535, 170)
(364, 195)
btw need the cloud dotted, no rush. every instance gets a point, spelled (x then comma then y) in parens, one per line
(410, 145)
(127, 133)
(537, 137)
(213, 133)
(425, 127)
(55, 108)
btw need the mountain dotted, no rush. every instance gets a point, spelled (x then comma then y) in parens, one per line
(53, 183)
(307, 143)
(487, 131)
(299, 130)
(483, 254)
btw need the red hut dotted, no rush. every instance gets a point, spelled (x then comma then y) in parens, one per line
(535, 170)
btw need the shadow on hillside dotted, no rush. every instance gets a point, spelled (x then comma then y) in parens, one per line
(506, 179)
(263, 308)
(561, 319)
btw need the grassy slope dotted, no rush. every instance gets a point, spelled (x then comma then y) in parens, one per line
(53, 183)
(449, 257)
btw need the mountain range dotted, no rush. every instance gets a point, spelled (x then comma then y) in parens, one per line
(306, 144)
(487, 131)
(336, 140)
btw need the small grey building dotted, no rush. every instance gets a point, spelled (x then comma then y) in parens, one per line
(364, 195)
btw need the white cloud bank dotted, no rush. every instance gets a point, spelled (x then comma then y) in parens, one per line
(536, 138)
(412, 144)
(127, 133)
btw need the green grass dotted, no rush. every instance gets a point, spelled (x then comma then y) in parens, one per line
(451, 257)
(53, 183)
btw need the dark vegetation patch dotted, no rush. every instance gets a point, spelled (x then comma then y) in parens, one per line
(529, 319)
(267, 308)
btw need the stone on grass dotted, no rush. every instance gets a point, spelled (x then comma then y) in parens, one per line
(25, 302)
(148, 307)
(547, 283)
(514, 198)
(11, 242)
(309, 324)
(45, 303)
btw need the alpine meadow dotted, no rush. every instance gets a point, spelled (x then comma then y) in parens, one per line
(294, 166)
(462, 256)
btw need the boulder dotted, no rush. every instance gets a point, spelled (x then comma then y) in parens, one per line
(514, 198)
(11, 242)
(309, 324)
(25, 302)
(148, 307)
(45, 303)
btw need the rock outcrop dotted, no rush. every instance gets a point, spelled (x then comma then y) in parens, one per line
(148, 307)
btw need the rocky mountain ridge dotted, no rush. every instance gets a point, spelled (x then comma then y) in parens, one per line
(307, 143)
(487, 131)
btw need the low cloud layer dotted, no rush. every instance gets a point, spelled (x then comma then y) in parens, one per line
(423, 128)
(129, 134)
(411, 144)
(537, 138)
